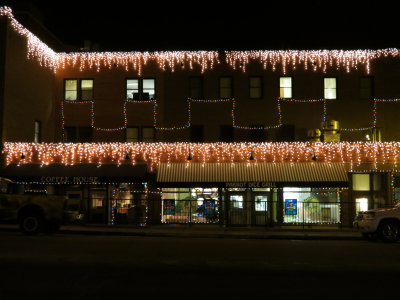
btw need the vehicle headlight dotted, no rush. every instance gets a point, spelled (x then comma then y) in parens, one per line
(369, 215)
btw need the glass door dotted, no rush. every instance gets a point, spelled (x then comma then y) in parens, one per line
(261, 211)
(237, 209)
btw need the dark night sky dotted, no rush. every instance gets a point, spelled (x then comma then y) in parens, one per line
(197, 25)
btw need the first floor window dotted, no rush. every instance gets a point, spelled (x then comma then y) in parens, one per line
(285, 87)
(78, 134)
(141, 89)
(330, 88)
(140, 134)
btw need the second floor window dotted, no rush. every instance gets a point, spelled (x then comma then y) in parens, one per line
(255, 87)
(225, 87)
(141, 89)
(78, 89)
(285, 87)
(78, 134)
(37, 132)
(330, 88)
(366, 88)
(196, 87)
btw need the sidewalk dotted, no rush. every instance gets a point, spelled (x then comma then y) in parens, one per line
(210, 231)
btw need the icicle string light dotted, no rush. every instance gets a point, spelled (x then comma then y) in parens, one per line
(310, 59)
(316, 60)
(154, 153)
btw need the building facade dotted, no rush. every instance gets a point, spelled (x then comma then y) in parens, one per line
(230, 137)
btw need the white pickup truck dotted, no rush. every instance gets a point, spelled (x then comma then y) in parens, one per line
(34, 213)
(382, 223)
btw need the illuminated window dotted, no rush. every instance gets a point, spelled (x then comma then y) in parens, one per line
(196, 87)
(83, 93)
(285, 84)
(330, 88)
(361, 204)
(225, 87)
(361, 182)
(141, 89)
(255, 87)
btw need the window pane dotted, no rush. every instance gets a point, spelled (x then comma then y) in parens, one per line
(286, 92)
(225, 92)
(286, 82)
(255, 81)
(87, 84)
(225, 82)
(71, 89)
(330, 83)
(366, 88)
(71, 85)
(148, 134)
(86, 95)
(149, 87)
(132, 88)
(255, 93)
(361, 182)
(196, 87)
(330, 94)
(71, 95)
(132, 134)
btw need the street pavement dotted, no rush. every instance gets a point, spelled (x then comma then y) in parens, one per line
(82, 266)
(212, 231)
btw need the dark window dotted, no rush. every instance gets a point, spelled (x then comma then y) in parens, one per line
(196, 87)
(227, 133)
(225, 87)
(197, 134)
(366, 87)
(78, 134)
(286, 133)
(78, 89)
(257, 135)
(140, 134)
(37, 132)
(255, 87)
(141, 89)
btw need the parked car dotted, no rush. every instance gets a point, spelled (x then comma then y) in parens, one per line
(35, 213)
(381, 223)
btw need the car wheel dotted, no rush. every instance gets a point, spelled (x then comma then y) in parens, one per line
(31, 223)
(372, 237)
(389, 231)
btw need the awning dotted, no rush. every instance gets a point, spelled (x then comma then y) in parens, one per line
(85, 173)
(302, 172)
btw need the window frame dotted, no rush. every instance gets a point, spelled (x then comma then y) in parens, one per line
(140, 138)
(261, 87)
(232, 87)
(291, 86)
(372, 87)
(140, 88)
(336, 87)
(79, 89)
(201, 89)
(37, 136)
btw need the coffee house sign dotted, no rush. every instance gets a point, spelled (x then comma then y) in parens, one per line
(68, 179)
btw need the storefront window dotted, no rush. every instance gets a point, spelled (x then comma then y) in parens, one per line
(311, 205)
(190, 205)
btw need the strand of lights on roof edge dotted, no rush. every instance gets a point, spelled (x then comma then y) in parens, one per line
(154, 153)
(313, 59)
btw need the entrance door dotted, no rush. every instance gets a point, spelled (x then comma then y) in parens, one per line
(261, 211)
(237, 209)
